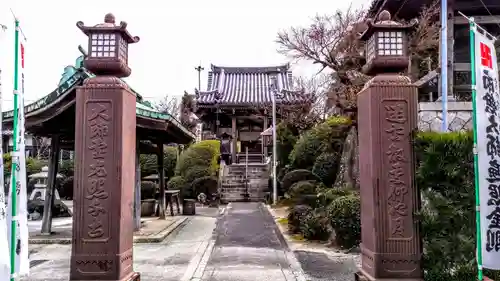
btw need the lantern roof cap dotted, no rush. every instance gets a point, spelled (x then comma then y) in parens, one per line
(109, 26)
(384, 21)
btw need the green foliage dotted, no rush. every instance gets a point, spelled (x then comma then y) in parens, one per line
(296, 215)
(286, 138)
(445, 176)
(196, 172)
(314, 225)
(66, 168)
(148, 164)
(295, 176)
(204, 153)
(198, 161)
(324, 137)
(169, 160)
(206, 184)
(344, 213)
(7, 162)
(33, 165)
(176, 183)
(326, 167)
(148, 190)
(66, 189)
(303, 192)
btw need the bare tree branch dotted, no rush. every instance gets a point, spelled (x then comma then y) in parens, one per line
(170, 105)
(42, 147)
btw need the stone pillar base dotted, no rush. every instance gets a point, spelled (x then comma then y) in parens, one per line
(134, 276)
(363, 276)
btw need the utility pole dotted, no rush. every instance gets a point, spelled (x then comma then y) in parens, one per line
(199, 68)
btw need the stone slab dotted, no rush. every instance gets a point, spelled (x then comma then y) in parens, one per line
(153, 231)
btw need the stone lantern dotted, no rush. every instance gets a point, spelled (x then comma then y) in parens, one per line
(105, 150)
(108, 47)
(387, 118)
(386, 47)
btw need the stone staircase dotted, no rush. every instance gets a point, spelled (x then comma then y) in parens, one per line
(233, 185)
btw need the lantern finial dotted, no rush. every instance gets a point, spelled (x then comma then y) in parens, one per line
(384, 16)
(109, 18)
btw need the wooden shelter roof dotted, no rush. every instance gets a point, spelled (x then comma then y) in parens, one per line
(55, 114)
(249, 86)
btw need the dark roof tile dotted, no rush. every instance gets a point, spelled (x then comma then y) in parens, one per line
(240, 86)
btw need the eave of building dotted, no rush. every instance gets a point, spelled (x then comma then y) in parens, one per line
(409, 9)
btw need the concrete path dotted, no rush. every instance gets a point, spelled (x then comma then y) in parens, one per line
(249, 246)
(175, 259)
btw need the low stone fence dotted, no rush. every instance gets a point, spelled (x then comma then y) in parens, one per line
(430, 116)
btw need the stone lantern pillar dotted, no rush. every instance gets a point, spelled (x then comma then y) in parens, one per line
(387, 118)
(105, 144)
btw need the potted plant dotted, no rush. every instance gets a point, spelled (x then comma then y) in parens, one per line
(148, 201)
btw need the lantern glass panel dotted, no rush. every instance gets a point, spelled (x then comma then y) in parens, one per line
(103, 45)
(370, 48)
(123, 50)
(390, 43)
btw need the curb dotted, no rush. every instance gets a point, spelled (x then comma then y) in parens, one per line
(157, 238)
(295, 266)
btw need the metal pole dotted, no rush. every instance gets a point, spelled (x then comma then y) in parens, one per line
(275, 187)
(444, 63)
(199, 69)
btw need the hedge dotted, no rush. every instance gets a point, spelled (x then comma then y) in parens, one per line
(445, 176)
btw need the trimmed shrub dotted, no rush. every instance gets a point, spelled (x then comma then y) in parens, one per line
(176, 183)
(325, 137)
(148, 190)
(296, 215)
(344, 213)
(295, 176)
(196, 172)
(204, 153)
(303, 192)
(314, 225)
(326, 167)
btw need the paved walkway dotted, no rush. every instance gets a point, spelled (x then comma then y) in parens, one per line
(249, 246)
(175, 259)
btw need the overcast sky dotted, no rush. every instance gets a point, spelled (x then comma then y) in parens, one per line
(175, 37)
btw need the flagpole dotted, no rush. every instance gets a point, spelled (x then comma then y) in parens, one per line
(13, 181)
(476, 163)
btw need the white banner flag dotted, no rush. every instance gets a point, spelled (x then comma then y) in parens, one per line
(4, 239)
(487, 105)
(21, 260)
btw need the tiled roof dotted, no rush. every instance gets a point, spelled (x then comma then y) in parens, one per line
(243, 86)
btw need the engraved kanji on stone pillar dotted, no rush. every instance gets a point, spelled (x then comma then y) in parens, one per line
(387, 118)
(105, 143)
